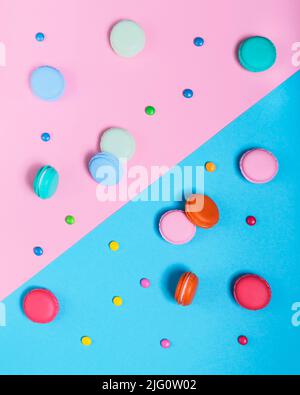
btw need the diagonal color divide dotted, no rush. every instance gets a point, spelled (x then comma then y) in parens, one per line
(104, 91)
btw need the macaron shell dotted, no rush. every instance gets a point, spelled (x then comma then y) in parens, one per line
(178, 292)
(118, 142)
(106, 169)
(41, 306)
(257, 54)
(202, 211)
(47, 83)
(176, 228)
(252, 292)
(46, 182)
(186, 289)
(127, 38)
(259, 166)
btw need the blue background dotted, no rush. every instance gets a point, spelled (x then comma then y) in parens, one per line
(126, 340)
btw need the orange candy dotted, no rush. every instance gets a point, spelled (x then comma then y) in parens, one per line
(202, 211)
(186, 289)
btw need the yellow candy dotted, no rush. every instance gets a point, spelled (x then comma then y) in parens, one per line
(210, 167)
(114, 245)
(86, 340)
(117, 301)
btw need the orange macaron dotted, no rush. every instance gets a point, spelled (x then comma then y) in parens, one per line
(186, 289)
(202, 211)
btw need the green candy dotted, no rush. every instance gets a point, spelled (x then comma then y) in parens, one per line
(70, 220)
(257, 54)
(150, 110)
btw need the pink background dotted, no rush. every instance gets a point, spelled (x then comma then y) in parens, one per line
(104, 90)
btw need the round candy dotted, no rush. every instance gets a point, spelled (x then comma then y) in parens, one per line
(47, 83)
(40, 37)
(127, 38)
(252, 292)
(243, 341)
(165, 343)
(186, 289)
(106, 169)
(46, 182)
(210, 167)
(198, 41)
(86, 341)
(251, 221)
(114, 245)
(70, 220)
(259, 166)
(145, 283)
(118, 142)
(188, 93)
(41, 306)
(176, 228)
(150, 110)
(117, 301)
(38, 251)
(46, 137)
(202, 211)
(257, 54)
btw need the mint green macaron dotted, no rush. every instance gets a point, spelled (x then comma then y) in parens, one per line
(257, 54)
(46, 182)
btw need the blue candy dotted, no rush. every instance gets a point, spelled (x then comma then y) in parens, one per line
(47, 83)
(198, 41)
(40, 37)
(106, 169)
(188, 93)
(38, 251)
(46, 137)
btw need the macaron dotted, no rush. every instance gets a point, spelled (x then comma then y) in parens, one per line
(259, 166)
(202, 211)
(46, 182)
(252, 292)
(105, 169)
(47, 83)
(257, 54)
(127, 38)
(186, 289)
(41, 306)
(118, 142)
(175, 228)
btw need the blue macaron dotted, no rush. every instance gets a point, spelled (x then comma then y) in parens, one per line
(106, 169)
(46, 182)
(47, 83)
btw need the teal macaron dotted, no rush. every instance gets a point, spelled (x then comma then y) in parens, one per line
(257, 54)
(46, 182)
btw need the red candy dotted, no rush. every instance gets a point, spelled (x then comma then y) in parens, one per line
(41, 306)
(251, 221)
(252, 292)
(243, 340)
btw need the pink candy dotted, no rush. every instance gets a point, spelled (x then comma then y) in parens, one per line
(145, 283)
(165, 343)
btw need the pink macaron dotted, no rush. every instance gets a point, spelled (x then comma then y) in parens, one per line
(41, 306)
(175, 227)
(252, 292)
(259, 166)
